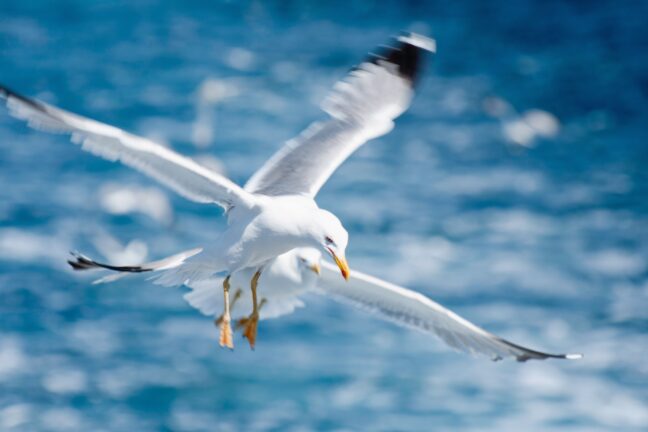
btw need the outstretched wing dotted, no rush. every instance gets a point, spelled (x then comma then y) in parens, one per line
(180, 173)
(362, 107)
(413, 309)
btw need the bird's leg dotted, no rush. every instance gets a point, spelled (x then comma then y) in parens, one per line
(250, 331)
(237, 295)
(243, 321)
(225, 327)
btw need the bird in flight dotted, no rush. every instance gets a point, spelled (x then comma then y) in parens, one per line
(274, 224)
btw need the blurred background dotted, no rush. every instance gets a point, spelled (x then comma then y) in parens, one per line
(513, 191)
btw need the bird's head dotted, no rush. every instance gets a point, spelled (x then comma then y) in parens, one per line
(308, 261)
(330, 236)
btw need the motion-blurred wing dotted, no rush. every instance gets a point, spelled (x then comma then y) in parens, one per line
(180, 173)
(412, 309)
(279, 289)
(362, 107)
(207, 297)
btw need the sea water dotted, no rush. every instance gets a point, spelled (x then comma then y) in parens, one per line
(513, 191)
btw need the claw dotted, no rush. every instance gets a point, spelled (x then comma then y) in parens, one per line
(218, 321)
(250, 330)
(225, 339)
(251, 322)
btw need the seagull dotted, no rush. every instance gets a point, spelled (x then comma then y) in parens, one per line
(300, 271)
(275, 211)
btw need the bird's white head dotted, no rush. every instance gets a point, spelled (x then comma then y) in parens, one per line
(330, 236)
(308, 261)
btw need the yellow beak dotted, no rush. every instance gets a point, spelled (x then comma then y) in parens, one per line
(315, 268)
(342, 264)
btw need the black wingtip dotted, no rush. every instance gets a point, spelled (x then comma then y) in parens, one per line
(81, 262)
(75, 265)
(423, 42)
(529, 354)
(6, 93)
(406, 52)
(543, 356)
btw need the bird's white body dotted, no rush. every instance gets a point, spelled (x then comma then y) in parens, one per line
(274, 226)
(255, 236)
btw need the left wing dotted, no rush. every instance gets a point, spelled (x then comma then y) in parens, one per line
(182, 174)
(362, 107)
(412, 309)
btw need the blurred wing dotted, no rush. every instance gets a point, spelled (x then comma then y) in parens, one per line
(362, 107)
(412, 309)
(279, 288)
(180, 173)
(207, 297)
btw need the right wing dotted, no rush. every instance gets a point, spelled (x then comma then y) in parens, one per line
(180, 173)
(412, 309)
(362, 107)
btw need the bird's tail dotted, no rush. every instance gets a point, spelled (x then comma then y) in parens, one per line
(81, 262)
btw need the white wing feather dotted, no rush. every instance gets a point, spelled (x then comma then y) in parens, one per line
(180, 173)
(362, 107)
(412, 309)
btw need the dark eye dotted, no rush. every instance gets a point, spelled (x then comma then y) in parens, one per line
(328, 240)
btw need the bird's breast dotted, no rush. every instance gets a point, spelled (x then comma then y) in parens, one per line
(275, 228)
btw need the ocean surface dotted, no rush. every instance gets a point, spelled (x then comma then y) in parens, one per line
(513, 191)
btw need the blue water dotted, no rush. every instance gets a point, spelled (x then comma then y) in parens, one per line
(539, 237)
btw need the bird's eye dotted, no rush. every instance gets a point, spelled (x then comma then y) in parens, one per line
(328, 240)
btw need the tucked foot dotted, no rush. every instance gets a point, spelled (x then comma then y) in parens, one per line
(250, 325)
(225, 339)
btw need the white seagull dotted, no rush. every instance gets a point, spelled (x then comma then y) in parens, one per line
(276, 211)
(301, 271)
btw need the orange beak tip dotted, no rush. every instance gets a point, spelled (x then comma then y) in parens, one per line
(343, 265)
